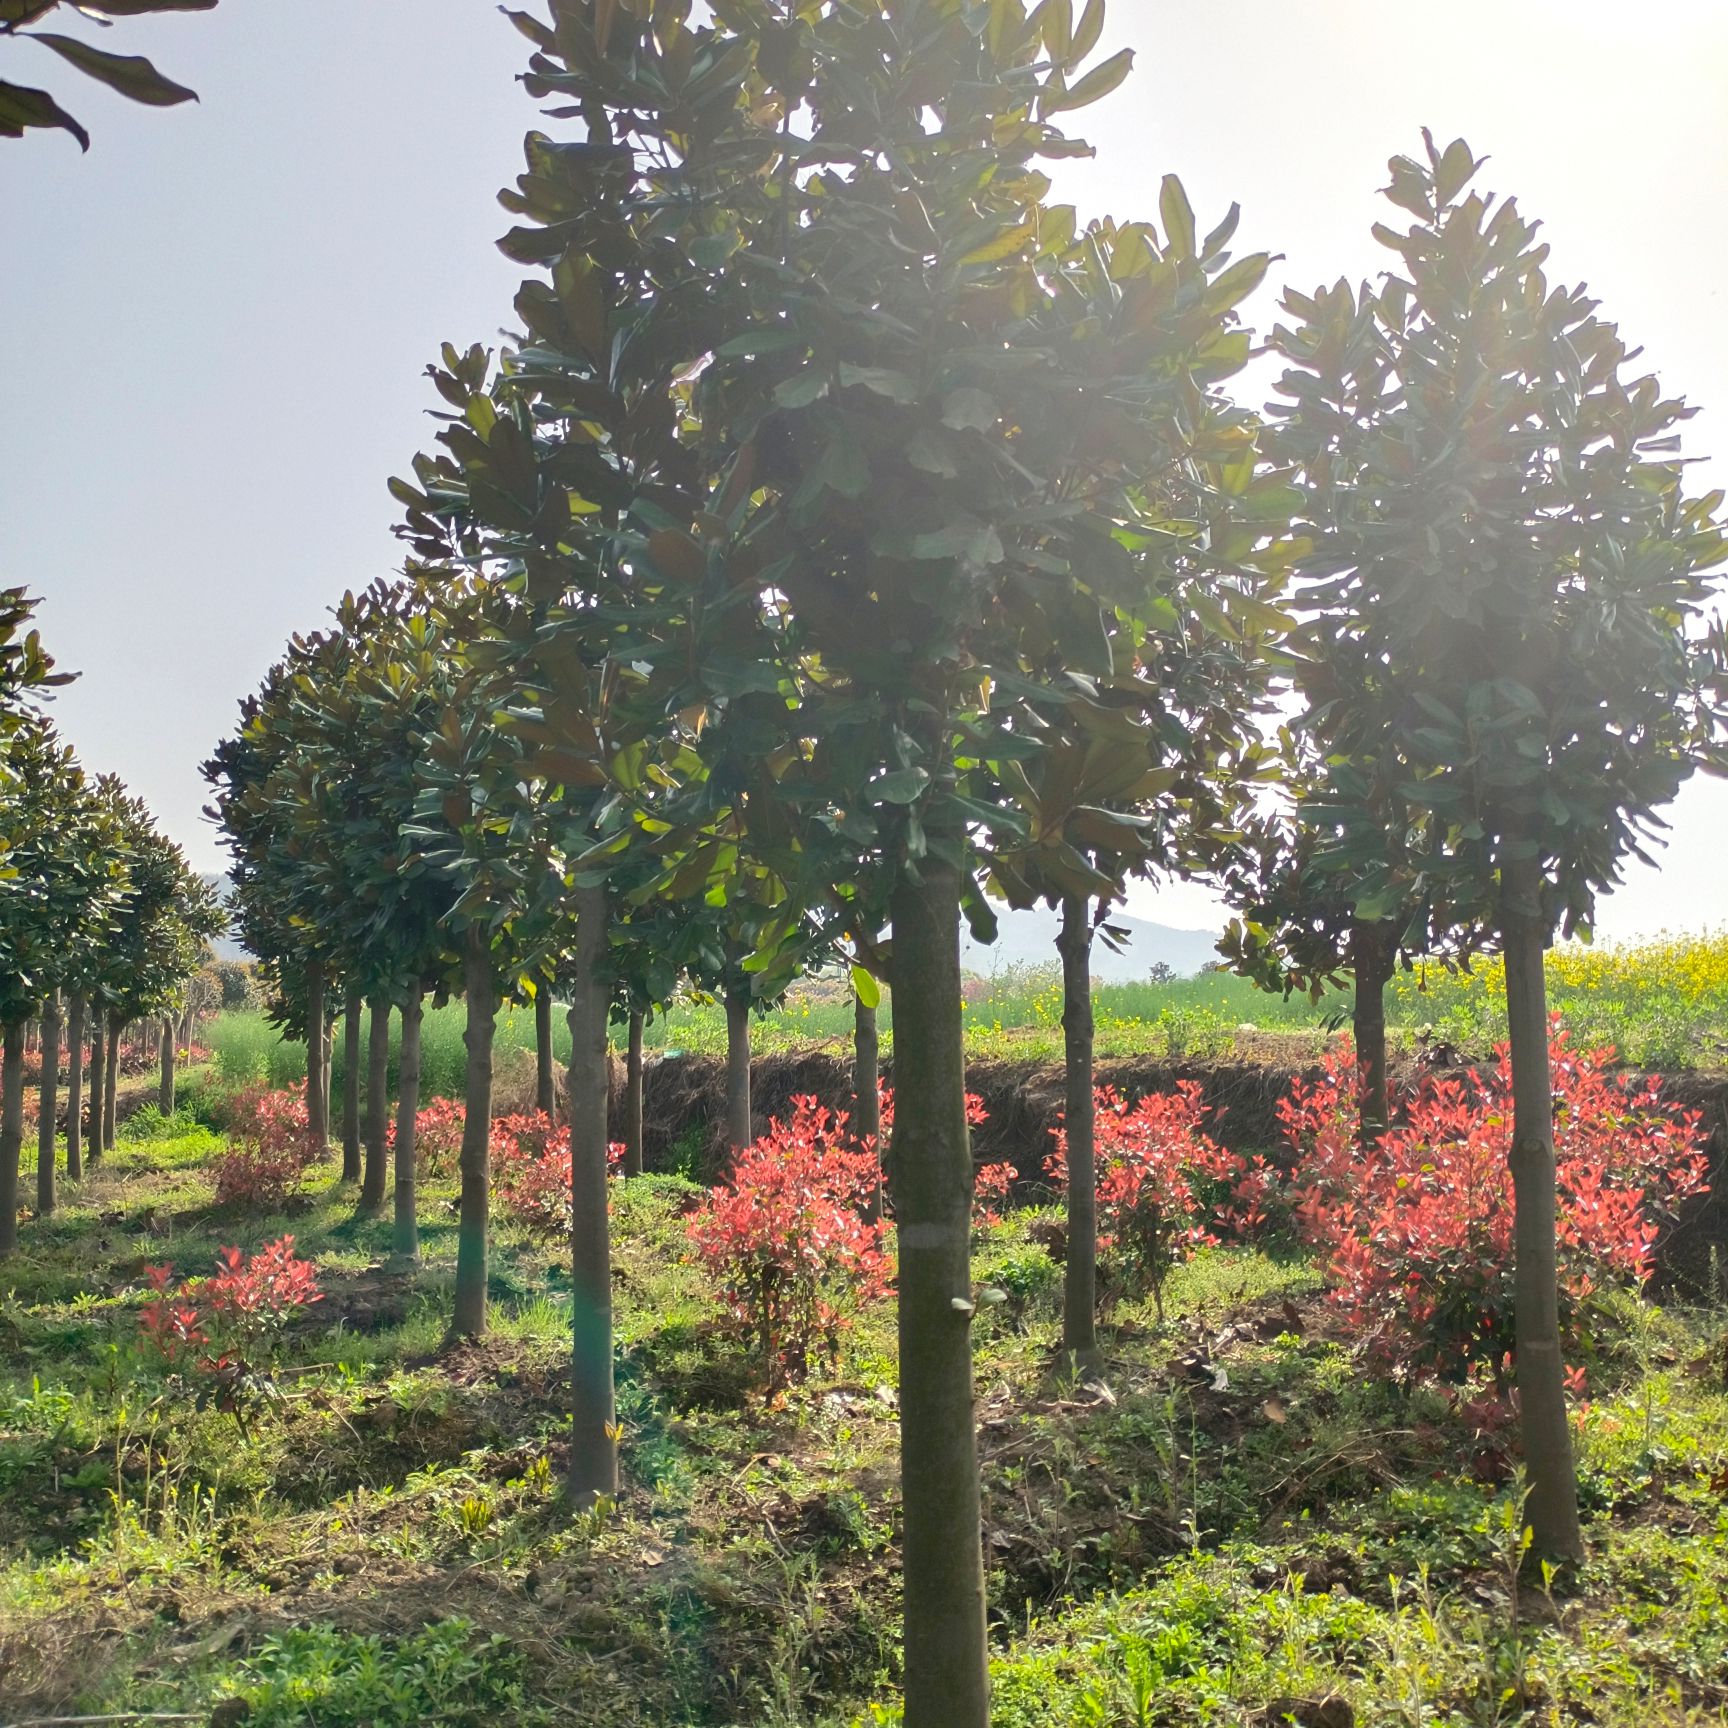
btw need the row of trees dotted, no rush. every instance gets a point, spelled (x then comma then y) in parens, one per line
(102, 925)
(851, 535)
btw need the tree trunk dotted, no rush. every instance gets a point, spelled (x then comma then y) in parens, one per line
(75, 1089)
(739, 1130)
(11, 1132)
(48, 1108)
(594, 1435)
(476, 1163)
(407, 1238)
(545, 1074)
(351, 1088)
(633, 1096)
(1079, 1121)
(947, 1683)
(329, 1064)
(1552, 1506)
(317, 1098)
(377, 1106)
(111, 1082)
(98, 1070)
(1373, 955)
(165, 1053)
(867, 1093)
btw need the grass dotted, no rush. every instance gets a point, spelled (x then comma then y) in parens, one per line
(1662, 1004)
(1298, 1541)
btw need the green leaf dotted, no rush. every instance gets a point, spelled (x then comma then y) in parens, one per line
(802, 388)
(929, 451)
(896, 386)
(21, 107)
(1005, 245)
(968, 408)
(1097, 84)
(864, 983)
(768, 340)
(963, 536)
(1178, 217)
(131, 74)
(900, 785)
(1087, 32)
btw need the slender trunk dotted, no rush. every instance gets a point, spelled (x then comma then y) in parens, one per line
(351, 1087)
(947, 1682)
(633, 1096)
(545, 1075)
(407, 1241)
(317, 1098)
(98, 1070)
(476, 1161)
(165, 1055)
(377, 1106)
(867, 1093)
(75, 1089)
(739, 1132)
(594, 1434)
(1552, 1506)
(48, 1108)
(111, 1081)
(11, 1132)
(1373, 954)
(1079, 1123)
(329, 1064)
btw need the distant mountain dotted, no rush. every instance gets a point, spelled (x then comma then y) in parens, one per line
(1029, 939)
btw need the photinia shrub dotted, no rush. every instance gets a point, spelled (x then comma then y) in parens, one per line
(1417, 1228)
(785, 1238)
(271, 1147)
(1165, 1187)
(437, 1136)
(222, 1330)
(991, 1186)
(531, 1171)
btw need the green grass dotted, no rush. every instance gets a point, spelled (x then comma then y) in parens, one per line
(1663, 1004)
(386, 1545)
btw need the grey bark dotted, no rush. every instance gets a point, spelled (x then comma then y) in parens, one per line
(474, 1205)
(867, 1092)
(545, 1074)
(98, 1071)
(407, 1221)
(1551, 1508)
(317, 1095)
(377, 1166)
(111, 1081)
(11, 1131)
(1373, 954)
(75, 1016)
(351, 1087)
(594, 1436)
(947, 1682)
(1079, 1121)
(48, 1109)
(739, 1129)
(632, 1135)
(165, 1057)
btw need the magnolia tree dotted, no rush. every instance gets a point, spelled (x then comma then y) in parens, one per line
(1502, 539)
(22, 106)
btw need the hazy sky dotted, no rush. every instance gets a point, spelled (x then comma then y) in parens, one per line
(213, 327)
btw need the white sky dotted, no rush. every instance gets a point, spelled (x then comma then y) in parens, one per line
(212, 327)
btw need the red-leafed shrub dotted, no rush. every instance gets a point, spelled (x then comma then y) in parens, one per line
(271, 1146)
(786, 1239)
(222, 1330)
(438, 1130)
(1417, 1228)
(1165, 1187)
(531, 1172)
(991, 1186)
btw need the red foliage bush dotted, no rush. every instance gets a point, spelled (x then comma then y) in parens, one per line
(1165, 1187)
(438, 1128)
(786, 1240)
(223, 1329)
(271, 1147)
(531, 1171)
(1417, 1228)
